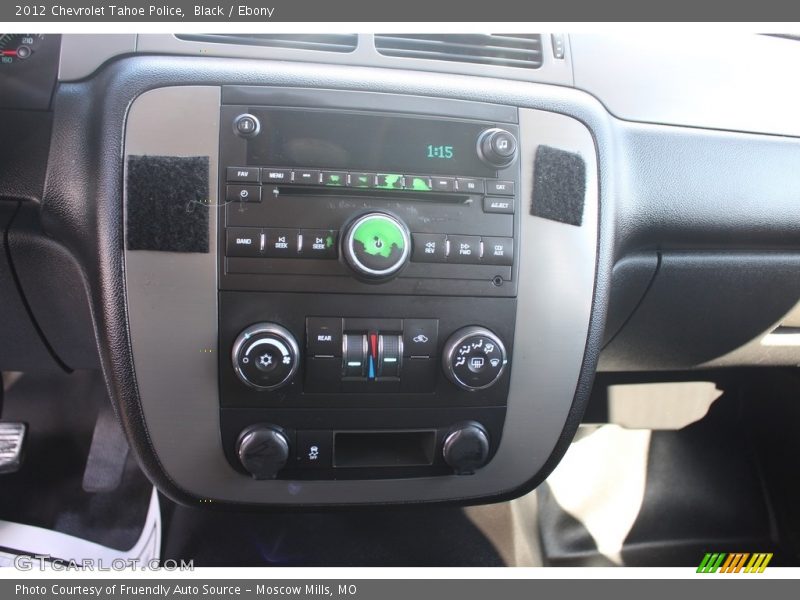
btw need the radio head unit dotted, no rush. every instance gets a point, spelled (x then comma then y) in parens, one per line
(335, 200)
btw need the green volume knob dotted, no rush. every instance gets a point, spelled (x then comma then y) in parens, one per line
(377, 245)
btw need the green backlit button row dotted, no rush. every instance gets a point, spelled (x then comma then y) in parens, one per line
(380, 181)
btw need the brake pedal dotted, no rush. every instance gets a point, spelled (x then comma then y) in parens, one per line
(12, 440)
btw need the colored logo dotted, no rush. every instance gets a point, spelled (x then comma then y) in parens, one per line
(736, 562)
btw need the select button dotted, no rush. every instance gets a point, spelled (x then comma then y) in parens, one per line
(498, 205)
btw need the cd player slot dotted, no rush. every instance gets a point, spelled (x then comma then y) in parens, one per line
(316, 192)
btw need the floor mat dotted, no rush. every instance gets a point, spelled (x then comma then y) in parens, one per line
(686, 492)
(61, 411)
(412, 537)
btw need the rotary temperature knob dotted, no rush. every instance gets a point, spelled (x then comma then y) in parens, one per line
(474, 358)
(265, 356)
(376, 245)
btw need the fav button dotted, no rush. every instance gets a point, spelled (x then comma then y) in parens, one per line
(243, 174)
(464, 249)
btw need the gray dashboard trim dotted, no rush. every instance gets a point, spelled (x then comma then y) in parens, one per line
(172, 307)
(346, 100)
(82, 54)
(77, 64)
(719, 80)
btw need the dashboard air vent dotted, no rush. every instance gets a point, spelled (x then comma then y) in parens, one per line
(523, 50)
(333, 42)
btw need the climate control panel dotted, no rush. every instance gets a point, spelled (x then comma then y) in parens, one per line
(310, 384)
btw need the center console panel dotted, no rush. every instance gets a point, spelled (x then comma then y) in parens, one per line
(379, 320)
(367, 288)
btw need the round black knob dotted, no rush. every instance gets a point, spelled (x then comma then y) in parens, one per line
(474, 358)
(376, 245)
(263, 450)
(265, 356)
(497, 147)
(246, 125)
(466, 447)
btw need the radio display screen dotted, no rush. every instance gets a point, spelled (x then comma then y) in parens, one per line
(366, 142)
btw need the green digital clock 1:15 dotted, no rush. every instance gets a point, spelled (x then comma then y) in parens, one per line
(440, 152)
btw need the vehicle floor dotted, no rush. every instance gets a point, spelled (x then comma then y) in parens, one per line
(725, 483)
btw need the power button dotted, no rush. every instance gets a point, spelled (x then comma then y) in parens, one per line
(246, 125)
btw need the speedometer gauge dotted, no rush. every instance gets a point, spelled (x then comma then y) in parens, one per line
(17, 46)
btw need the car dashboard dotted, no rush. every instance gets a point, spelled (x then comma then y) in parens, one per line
(340, 270)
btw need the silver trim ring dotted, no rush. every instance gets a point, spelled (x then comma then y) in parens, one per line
(456, 340)
(279, 332)
(350, 252)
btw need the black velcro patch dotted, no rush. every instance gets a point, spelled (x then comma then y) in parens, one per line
(167, 203)
(559, 186)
